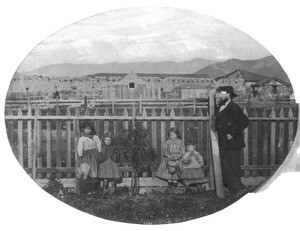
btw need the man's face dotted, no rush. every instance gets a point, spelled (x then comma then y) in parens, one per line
(222, 97)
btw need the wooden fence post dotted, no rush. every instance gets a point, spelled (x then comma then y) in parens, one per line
(20, 139)
(133, 114)
(163, 130)
(172, 122)
(163, 135)
(49, 144)
(106, 122)
(87, 112)
(246, 149)
(215, 149)
(210, 164)
(153, 130)
(291, 129)
(10, 130)
(280, 145)
(29, 138)
(125, 123)
(68, 143)
(113, 105)
(97, 122)
(181, 125)
(58, 142)
(144, 114)
(115, 123)
(141, 104)
(265, 141)
(194, 106)
(254, 143)
(76, 132)
(38, 141)
(190, 125)
(34, 156)
(200, 134)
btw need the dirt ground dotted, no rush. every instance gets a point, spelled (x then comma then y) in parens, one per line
(155, 207)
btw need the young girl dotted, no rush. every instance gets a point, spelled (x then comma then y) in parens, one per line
(109, 169)
(192, 171)
(172, 152)
(89, 148)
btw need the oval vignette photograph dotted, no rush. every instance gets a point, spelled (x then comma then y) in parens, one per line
(150, 115)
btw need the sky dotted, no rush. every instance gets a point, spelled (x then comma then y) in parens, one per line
(143, 34)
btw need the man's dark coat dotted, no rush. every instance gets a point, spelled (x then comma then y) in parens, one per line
(231, 120)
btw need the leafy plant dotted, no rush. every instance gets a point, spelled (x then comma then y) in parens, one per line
(133, 147)
(54, 187)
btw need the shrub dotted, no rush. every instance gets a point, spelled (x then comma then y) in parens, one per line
(54, 187)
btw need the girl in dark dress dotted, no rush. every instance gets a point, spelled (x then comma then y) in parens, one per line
(109, 170)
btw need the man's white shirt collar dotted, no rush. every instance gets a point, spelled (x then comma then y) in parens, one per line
(224, 106)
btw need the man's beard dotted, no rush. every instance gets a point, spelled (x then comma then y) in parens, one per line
(221, 102)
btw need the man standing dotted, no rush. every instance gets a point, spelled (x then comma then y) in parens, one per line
(230, 124)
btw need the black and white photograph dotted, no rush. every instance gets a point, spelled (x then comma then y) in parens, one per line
(150, 115)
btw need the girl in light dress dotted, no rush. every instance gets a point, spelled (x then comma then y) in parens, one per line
(171, 165)
(192, 168)
(88, 148)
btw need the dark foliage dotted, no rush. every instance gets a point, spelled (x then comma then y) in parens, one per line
(54, 187)
(134, 149)
(154, 208)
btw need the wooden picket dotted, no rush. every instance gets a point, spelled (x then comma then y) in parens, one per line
(29, 139)
(144, 114)
(34, 154)
(125, 123)
(265, 141)
(49, 143)
(163, 134)
(97, 122)
(281, 138)
(10, 125)
(200, 133)
(273, 130)
(153, 131)
(58, 142)
(181, 125)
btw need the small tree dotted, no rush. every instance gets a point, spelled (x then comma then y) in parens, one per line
(132, 145)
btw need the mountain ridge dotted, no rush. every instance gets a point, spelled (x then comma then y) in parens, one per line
(77, 70)
(267, 66)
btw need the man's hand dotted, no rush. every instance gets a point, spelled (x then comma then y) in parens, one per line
(80, 160)
(229, 137)
(171, 158)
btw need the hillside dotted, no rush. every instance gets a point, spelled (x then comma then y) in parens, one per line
(77, 70)
(267, 66)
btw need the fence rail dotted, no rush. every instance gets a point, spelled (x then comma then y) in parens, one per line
(45, 144)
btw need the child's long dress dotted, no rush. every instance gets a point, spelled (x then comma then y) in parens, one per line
(89, 148)
(175, 148)
(109, 167)
(192, 171)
